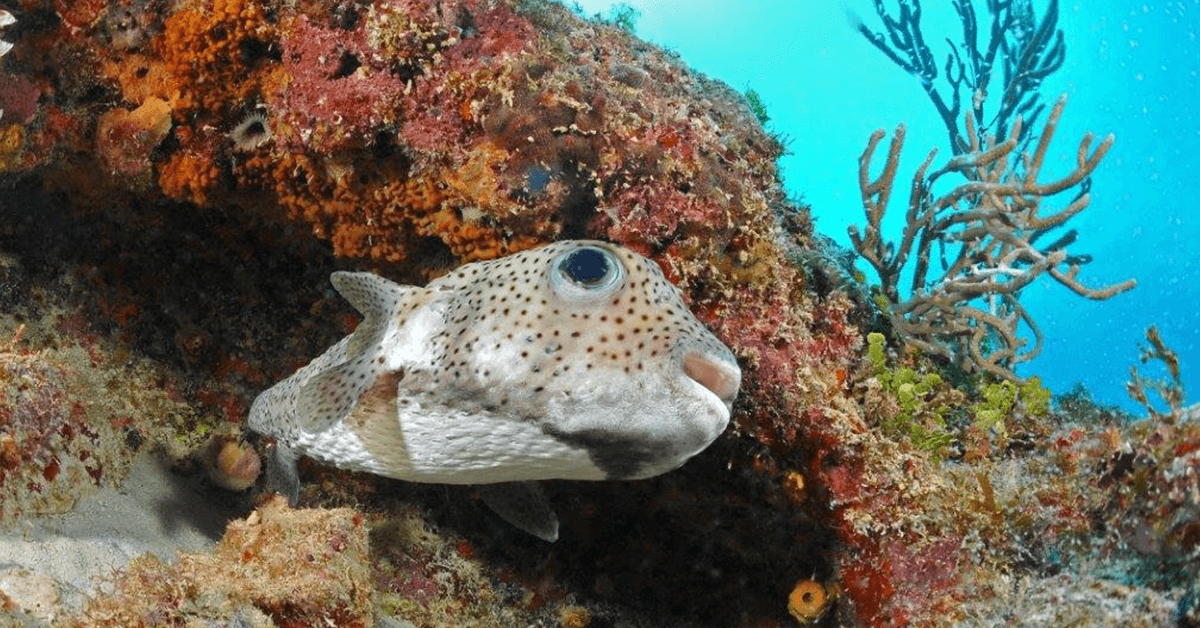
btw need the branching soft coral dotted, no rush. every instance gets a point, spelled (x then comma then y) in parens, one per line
(990, 223)
(1169, 390)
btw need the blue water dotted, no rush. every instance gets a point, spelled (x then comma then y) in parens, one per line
(1132, 69)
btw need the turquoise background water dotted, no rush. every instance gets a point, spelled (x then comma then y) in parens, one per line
(1132, 69)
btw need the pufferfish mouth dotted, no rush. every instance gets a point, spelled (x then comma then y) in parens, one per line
(717, 375)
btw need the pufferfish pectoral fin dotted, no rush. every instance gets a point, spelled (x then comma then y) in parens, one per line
(524, 505)
(329, 396)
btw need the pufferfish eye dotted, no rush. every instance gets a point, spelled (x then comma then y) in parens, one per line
(586, 273)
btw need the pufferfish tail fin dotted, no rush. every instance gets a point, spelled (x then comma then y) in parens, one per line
(330, 394)
(282, 475)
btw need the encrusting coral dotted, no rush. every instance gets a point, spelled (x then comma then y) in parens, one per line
(125, 140)
(408, 137)
(59, 440)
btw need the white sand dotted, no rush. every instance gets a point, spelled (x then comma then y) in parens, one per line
(48, 565)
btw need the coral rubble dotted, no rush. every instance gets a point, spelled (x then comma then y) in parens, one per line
(277, 567)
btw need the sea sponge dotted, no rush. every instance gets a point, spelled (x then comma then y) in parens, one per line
(12, 140)
(212, 55)
(332, 91)
(189, 177)
(19, 97)
(80, 14)
(141, 76)
(808, 602)
(129, 24)
(231, 463)
(125, 139)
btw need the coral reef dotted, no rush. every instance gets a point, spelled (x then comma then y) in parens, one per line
(393, 127)
(182, 177)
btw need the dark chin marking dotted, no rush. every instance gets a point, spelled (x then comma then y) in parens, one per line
(619, 456)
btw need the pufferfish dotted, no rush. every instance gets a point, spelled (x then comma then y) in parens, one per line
(577, 360)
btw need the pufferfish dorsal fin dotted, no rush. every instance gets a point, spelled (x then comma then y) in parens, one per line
(329, 396)
(377, 299)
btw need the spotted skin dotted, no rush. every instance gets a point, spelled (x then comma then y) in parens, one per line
(576, 360)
